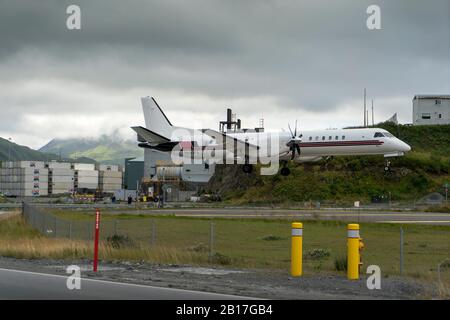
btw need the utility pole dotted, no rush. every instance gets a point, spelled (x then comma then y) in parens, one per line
(364, 107)
(373, 121)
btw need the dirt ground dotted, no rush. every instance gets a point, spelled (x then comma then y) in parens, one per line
(250, 283)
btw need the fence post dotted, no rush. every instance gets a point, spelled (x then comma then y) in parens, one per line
(211, 241)
(401, 251)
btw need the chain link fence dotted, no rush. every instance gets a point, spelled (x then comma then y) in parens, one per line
(415, 251)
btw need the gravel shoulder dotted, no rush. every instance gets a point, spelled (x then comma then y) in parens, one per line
(252, 283)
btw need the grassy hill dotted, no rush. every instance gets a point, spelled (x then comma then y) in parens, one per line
(106, 149)
(345, 179)
(9, 150)
(13, 152)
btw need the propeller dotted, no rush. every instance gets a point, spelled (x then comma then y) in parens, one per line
(294, 143)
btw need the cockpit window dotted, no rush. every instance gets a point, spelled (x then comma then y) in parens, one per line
(389, 135)
(378, 135)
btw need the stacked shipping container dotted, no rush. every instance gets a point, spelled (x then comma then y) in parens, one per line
(61, 178)
(34, 178)
(110, 181)
(24, 178)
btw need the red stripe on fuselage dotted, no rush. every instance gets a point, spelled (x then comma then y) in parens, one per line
(341, 143)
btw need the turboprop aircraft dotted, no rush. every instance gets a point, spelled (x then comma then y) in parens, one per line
(248, 148)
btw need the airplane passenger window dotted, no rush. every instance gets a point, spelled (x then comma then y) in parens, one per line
(330, 138)
(378, 135)
(323, 137)
(343, 137)
(317, 137)
(336, 138)
(310, 138)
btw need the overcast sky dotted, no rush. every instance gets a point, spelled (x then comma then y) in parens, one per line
(283, 60)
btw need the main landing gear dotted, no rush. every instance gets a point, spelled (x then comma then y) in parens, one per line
(285, 170)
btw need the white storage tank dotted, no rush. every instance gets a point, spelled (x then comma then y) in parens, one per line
(168, 173)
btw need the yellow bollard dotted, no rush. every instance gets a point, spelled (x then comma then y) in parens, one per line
(296, 249)
(353, 246)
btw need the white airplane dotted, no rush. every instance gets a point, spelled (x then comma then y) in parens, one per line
(242, 147)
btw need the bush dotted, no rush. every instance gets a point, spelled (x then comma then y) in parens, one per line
(318, 254)
(119, 241)
(272, 238)
(221, 259)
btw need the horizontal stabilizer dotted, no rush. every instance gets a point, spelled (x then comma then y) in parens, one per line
(150, 136)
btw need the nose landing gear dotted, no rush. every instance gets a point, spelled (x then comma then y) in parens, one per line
(387, 166)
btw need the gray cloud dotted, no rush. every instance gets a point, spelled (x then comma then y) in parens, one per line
(303, 56)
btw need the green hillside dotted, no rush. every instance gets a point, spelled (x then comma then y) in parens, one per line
(345, 179)
(106, 149)
(9, 150)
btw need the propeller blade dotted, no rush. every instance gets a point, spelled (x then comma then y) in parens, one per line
(290, 130)
(295, 134)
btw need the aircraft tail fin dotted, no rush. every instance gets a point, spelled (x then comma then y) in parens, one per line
(155, 119)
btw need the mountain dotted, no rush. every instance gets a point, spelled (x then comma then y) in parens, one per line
(12, 151)
(108, 149)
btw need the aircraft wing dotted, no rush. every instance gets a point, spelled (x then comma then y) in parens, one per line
(230, 142)
(150, 136)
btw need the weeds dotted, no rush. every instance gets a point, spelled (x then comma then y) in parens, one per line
(317, 254)
(340, 263)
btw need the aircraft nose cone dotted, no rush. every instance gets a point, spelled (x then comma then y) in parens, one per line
(405, 147)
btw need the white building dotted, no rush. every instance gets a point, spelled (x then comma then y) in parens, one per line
(431, 109)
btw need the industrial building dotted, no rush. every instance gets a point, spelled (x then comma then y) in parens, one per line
(431, 109)
(133, 173)
(38, 178)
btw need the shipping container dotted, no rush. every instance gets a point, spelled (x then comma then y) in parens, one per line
(110, 180)
(110, 174)
(29, 164)
(83, 166)
(107, 167)
(59, 165)
(86, 173)
(66, 179)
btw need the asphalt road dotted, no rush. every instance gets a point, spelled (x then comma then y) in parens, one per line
(409, 217)
(16, 284)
